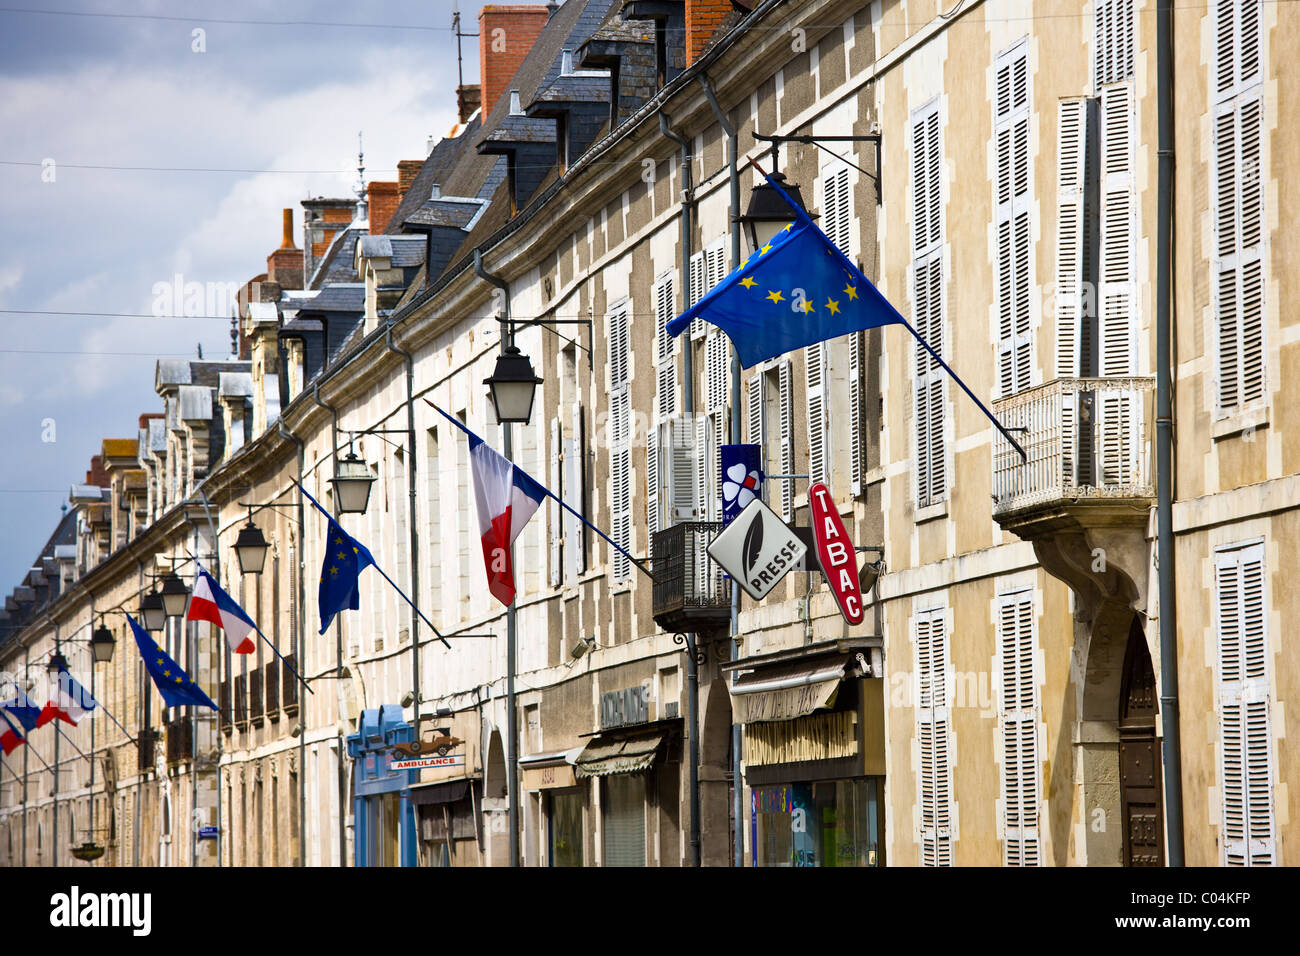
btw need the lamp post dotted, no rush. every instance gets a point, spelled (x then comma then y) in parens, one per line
(175, 595)
(767, 213)
(153, 611)
(352, 480)
(513, 385)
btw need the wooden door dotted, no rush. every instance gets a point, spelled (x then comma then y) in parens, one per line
(1139, 758)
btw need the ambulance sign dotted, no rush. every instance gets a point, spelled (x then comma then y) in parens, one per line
(835, 551)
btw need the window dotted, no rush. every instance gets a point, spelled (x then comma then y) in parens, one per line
(708, 267)
(434, 524)
(1237, 178)
(665, 396)
(1018, 718)
(1012, 198)
(717, 362)
(623, 817)
(1076, 239)
(620, 439)
(768, 404)
(827, 823)
(927, 300)
(1249, 835)
(816, 395)
(933, 730)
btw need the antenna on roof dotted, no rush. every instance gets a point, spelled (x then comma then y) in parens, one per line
(234, 336)
(361, 170)
(200, 348)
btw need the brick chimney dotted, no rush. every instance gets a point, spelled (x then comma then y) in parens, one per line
(284, 266)
(383, 199)
(505, 35)
(98, 474)
(407, 170)
(703, 17)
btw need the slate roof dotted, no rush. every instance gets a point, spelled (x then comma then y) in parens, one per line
(337, 297)
(402, 251)
(440, 212)
(337, 263)
(517, 128)
(435, 170)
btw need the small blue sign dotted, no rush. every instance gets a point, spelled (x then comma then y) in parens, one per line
(742, 478)
(207, 833)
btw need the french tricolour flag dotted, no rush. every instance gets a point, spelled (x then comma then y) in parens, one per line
(507, 497)
(209, 603)
(12, 737)
(69, 702)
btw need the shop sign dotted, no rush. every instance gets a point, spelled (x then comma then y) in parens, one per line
(757, 549)
(416, 763)
(835, 552)
(207, 833)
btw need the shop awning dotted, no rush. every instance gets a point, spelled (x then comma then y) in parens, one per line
(449, 791)
(785, 692)
(604, 756)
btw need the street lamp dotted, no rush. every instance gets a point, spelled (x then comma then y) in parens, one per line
(251, 548)
(768, 213)
(513, 385)
(352, 481)
(175, 595)
(153, 611)
(57, 663)
(102, 644)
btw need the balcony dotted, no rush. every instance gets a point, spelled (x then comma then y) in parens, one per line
(1083, 496)
(690, 591)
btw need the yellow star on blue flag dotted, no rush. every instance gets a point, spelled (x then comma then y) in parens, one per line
(167, 674)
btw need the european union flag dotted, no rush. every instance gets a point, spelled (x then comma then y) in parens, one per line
(345, 559)
(797, 290)
(177, 687)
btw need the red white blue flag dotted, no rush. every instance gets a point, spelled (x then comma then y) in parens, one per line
(506, 497)
(210, 603)
(12, 737)
(69, 701)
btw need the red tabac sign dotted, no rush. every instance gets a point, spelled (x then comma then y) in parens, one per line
(835, 550)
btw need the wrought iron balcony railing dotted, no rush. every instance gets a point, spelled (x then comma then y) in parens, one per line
(690, 591)
(1086, 438)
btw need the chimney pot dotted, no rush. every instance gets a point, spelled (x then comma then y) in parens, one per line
(287, 241)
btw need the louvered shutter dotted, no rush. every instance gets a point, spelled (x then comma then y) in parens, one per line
(932, 730)
(653, 477)
(574, 482)
(1238, 214)
(680, 465)
(1018, 717)
(1113, 41)
(665, 351)
(786, 403)
(698, 288)
(1249, 834)
(1011, 133)
(857, 424)
(819, 456)
(927, 277)
(1071, 171)
(755, 414)
(619, 431)
(1117, 293)
(837, 206)
(554, 526)
(717, 356)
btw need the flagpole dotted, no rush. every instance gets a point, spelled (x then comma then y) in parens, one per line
(640, 564)
(957, 378)
(72, 744)
(376, 566)
(802, 216)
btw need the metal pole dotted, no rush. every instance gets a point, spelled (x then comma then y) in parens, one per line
(54, 843)
(1170, 744)
(410, 520)
(26, 755)
(737, 803)
(693, 730)
(299, 655)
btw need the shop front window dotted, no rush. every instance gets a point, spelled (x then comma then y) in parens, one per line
(828, 823)
(564, 823)
(624, 820)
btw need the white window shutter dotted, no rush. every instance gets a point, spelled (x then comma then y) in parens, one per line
(933, 726)
(1113, 41)
(619, 434)
(1118, 229)
(1238, 209)
(815, 395)
(575, 483)
(1071, 168)
(754, 410)
(665, 350)
(857, 457)
(1019, 716)
(927, 277)
(837, 205)
(1012, 209)
(787, 439)
(1249, 834)
(554, 522)
(679, 467)
(698, 288)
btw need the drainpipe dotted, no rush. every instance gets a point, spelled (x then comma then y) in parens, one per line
(737, 803)
(27, 657)
(301, 639)
(338, 646)
(411, 526)
(1170, 745)
(192, 642)
(512, 755)
(54, 842)
(688, 401)
(145, 728)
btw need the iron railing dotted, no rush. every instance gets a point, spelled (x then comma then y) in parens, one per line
(1086, 438)
(690, 591)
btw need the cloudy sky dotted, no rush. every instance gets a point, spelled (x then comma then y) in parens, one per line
(282, 102)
